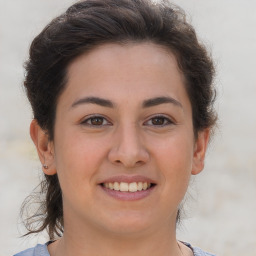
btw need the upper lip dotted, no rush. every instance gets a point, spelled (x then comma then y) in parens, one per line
(128, 179)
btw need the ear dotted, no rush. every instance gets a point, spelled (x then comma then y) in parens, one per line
(199, 151)
(44, 148)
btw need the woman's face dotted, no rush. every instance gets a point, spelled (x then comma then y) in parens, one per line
(124, 148)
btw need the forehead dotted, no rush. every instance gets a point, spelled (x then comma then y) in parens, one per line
(129, 51)
(133, 70)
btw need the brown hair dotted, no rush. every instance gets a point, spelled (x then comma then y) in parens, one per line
(82, 27)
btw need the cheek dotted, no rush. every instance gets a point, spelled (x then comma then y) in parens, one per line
(174, 160)
(176, 167)
(175, 154)
(77, 160)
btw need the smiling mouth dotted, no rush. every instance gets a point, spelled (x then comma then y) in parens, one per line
(128, 187)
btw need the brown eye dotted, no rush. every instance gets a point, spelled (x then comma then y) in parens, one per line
(96, 121)
(158, 120)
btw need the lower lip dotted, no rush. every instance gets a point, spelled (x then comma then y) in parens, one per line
(128, 196)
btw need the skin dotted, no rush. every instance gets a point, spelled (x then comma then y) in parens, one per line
(126, 139)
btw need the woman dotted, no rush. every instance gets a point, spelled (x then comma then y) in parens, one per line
(122, 98)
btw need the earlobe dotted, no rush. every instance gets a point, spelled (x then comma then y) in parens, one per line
(200, 151)
(44, 148)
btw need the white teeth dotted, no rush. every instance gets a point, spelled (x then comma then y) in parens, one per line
(133, 187)
(125, 187)
(116, 186)
(140, 186)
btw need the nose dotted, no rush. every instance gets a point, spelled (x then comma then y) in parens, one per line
(127, 148)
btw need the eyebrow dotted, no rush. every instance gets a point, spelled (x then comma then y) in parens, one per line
(94, 100)
(107, 103)
(160, 100)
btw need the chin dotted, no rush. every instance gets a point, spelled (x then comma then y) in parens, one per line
(130, 224)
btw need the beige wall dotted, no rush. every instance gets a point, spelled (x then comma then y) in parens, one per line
(221, 217)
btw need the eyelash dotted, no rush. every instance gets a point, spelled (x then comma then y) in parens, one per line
(88, 121)
(166, 121)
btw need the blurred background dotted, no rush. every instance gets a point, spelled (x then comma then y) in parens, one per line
(221, 203)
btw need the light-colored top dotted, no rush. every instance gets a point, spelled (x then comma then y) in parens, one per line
(41, 250)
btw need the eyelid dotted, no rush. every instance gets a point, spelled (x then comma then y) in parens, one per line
(170, 121)
(87, 118)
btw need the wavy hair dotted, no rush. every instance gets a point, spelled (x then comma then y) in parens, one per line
(91, 23)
